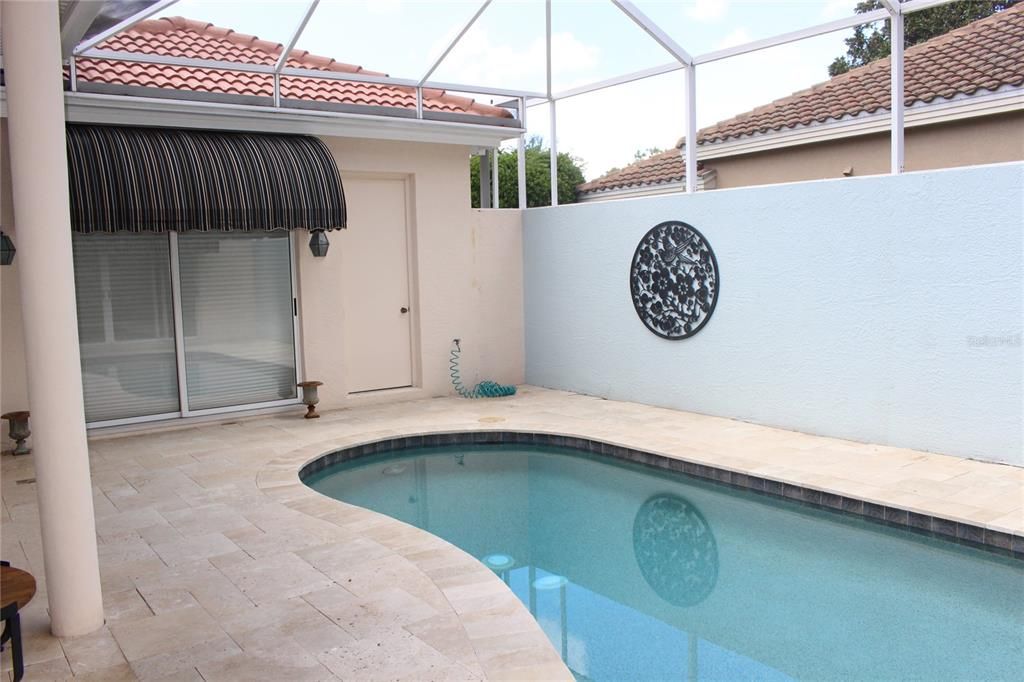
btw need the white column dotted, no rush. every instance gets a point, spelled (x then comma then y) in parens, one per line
(495, 187)
(35, 110)
(896, 64)
(521, 154)
(690, 151)
(553, 160)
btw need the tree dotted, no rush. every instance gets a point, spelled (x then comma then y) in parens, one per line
(538, 176)
(872, 41)
(641, 154)
(638, 155)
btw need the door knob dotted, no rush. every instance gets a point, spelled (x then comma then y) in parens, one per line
(403, 310)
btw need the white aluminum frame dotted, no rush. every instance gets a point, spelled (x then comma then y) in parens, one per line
(893, 11)
(896, 106)
(553, 144)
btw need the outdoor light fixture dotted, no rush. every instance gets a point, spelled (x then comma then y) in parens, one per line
(7, 250)
(318, 243)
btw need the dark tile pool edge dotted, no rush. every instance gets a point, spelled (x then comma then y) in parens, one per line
(934, 526)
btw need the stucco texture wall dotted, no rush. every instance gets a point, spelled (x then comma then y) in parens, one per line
(466, 276)
(988, 139)
(466, 280)
(883, 309)
(13, 386)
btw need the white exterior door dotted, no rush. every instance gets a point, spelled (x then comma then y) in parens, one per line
(375, 260)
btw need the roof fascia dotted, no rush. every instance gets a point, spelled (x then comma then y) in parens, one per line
(1000, 101)
(81, 107)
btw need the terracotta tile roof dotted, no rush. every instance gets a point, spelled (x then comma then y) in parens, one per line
(983, 56)
(660, 168)
(181, 37)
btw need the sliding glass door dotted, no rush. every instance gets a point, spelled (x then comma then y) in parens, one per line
(236, 313)
(175, 324)
(125, 325)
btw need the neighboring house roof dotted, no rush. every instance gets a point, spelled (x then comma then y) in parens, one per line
(181, 37)
(660, 168)
(981, 57)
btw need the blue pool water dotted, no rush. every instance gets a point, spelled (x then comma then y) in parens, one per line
(636, 574)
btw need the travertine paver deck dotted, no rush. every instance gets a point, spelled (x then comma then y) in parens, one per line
(217, 563)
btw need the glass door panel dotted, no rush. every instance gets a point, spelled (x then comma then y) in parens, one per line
(125, 325)
(237, 318)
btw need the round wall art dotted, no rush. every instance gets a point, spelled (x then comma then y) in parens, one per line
(674, 280)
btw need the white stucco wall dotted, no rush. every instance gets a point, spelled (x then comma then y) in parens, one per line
(466, 281)
(466, 277)
(880, 309)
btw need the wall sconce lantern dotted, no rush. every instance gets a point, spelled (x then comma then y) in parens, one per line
(318, 243)
(7, 250)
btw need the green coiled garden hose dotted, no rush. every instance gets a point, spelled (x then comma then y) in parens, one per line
(485, 389)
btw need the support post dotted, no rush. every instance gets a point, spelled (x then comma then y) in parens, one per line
(485, 179)
(36, 135)
(690, 149)
(521, 154)
(495, 173)
(553, 161)
(896, 135)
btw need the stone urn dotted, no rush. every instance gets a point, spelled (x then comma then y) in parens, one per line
(310, 397)
(18, 430)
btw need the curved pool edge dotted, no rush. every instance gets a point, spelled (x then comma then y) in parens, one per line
(952, 530)
(506, 642)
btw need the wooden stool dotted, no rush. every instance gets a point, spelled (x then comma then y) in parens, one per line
(17, 588)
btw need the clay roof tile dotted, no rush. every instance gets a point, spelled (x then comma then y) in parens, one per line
(980, 57)
(182, 37)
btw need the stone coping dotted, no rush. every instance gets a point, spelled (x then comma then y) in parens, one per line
(956, 531)
(217, 561)
(508, 642)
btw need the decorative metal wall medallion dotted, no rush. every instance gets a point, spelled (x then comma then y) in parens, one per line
(676, 550)
(674, 280)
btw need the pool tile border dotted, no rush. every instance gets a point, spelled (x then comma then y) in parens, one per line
(957, 532)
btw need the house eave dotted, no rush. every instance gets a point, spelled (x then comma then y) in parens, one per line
(1003, 100)
(83, 107)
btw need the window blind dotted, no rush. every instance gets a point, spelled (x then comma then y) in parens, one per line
(237, 319)
(125, 325)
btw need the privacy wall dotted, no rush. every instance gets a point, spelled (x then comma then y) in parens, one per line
(880, 309)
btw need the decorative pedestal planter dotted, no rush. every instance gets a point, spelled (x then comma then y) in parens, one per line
(18, 430)
(310, 397)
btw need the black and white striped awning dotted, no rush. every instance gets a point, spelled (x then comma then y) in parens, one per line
(159, 179)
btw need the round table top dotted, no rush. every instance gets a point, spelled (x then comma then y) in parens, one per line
(16, 585)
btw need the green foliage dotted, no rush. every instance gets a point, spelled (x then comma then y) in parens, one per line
(641, 154)
(538, 177)
(638, 155)
(873, 41)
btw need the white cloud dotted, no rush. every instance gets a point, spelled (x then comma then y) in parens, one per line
(480, 58)
(384, 7)
(735, 37)
(708, 11)
(605, 128)
(837, 9)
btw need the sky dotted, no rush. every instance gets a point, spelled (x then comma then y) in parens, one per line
(592, 40)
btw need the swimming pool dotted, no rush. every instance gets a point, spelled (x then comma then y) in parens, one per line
(639, 574)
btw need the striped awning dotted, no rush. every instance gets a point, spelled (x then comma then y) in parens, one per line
(160, 179)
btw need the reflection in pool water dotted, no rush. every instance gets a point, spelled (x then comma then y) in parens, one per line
(675, 549)
(639, 575)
